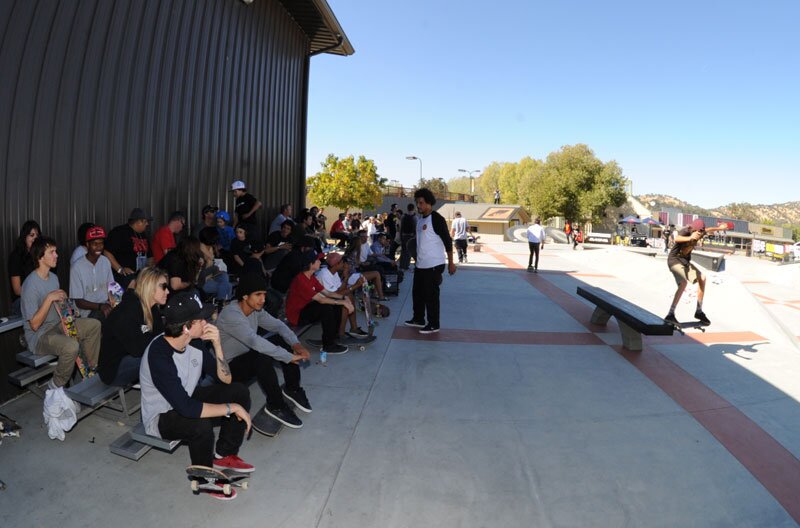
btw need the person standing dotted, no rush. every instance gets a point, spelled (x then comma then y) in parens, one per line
(497, 196)
(245, 207)
(433, 242)
(536, 237)
(459, 232)
(408, 228)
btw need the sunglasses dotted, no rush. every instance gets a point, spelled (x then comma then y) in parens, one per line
(164, 286)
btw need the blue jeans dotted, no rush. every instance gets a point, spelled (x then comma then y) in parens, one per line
(219, 286)
(127, 372)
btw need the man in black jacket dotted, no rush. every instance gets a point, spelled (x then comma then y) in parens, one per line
(408, 227)
(432, 242)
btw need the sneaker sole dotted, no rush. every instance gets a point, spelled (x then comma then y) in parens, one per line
(294, 402)
(336, 353)
(429, 331)
(284, 422)
(414, 325)
(357, 336)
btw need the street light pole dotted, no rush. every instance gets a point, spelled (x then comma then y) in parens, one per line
(420, 164)
(471, 181)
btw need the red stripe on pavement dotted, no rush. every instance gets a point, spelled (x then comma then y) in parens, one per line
(506, 337)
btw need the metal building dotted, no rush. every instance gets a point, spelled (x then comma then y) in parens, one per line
(159, 104)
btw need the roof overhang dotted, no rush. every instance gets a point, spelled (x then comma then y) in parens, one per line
(316, 19)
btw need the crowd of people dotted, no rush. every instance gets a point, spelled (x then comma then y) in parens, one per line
(146, 307)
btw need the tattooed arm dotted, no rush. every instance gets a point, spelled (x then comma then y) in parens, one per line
(211, 333)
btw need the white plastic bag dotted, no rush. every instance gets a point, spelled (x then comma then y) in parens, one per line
(60, 413)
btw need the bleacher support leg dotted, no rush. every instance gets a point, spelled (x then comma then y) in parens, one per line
(600, 317)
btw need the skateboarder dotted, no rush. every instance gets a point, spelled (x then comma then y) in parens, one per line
(43, 330)
(341, 286)
(679, 262)
(175, 406)
(250, 354)
(536, 237)
(433, 242)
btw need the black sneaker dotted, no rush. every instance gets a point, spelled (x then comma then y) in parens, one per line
(334, 349)
(700, 316)
(530, 269)
(415, 324)
(671, 319)
(298, 398)
(428, 329)
(285, 416)
(358, 333)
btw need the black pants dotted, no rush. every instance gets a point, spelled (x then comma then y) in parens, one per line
(198, 433)
(534, 249)
(253, 363)
(329, 314)
(342, 237)
(461, 247)
(425, 293)
(405, 256)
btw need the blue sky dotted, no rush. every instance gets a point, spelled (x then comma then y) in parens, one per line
(700, 100)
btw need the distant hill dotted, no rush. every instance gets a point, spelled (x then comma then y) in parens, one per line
(785, 213)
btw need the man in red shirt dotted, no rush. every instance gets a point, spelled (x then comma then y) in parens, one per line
(308, 302)
(339, 232)
(164, 239)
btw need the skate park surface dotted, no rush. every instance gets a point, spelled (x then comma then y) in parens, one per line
(518, 413)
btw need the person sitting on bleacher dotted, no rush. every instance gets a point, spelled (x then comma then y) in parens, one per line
(183, 265)
(307, 302)
(43, 330)
(288, 267)
(335, 284)
(80, 250)
(176, 407)
(20, 261)
(253, 262)
(353, 256)
(339, 231)
(249, 354)
(130, 327)
(89, 277)
(213, 280)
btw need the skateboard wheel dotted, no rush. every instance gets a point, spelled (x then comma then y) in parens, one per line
(226, 489)
(195, 487)
(362, 348)
(244, 485)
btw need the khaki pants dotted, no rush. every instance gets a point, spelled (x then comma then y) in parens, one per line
(66, 348)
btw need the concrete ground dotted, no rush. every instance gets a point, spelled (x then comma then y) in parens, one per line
(519, 413)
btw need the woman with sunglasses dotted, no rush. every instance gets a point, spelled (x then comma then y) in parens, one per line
(130, 327)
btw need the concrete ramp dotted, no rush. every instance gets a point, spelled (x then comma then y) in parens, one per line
(557, 235)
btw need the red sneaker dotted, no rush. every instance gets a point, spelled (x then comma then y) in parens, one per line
(235, 463)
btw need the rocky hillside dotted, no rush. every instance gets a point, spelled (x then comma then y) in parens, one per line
(785, 213)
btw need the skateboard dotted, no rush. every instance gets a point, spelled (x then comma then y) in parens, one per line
(346, 340)
(8, 427)
(266, 424)
(68, 314)
(227, 479)
(680, 327)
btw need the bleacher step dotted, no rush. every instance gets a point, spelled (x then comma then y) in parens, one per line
(26, 357)
(138, 434)
(91, 392)
(127, 447)
(27, 375)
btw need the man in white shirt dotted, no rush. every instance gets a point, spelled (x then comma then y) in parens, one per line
(329, 278)
(459, 231)
(89, 277)
(433, 243)
(536, 236)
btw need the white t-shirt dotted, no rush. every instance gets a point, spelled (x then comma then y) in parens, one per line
(330, 281)
(460, 228)
(89, 281)
(430, 248)
(366, 251)
(536, 233)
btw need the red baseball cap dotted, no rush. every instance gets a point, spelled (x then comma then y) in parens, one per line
(95, 233)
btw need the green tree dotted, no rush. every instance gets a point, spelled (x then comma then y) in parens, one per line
(575, 184)
(494, 177)
(346, 183)
(436, 185)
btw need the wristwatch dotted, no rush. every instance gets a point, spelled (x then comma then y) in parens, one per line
(227, 410)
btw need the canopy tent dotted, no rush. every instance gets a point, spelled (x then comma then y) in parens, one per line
(630, 220)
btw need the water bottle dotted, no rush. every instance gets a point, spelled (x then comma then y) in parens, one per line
(323, 357)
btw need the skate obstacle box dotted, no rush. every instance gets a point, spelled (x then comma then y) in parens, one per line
(633, 320)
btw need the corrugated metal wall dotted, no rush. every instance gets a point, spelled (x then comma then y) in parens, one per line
(108, 105)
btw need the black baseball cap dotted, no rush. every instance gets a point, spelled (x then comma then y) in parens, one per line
(184, 307)
(210, 209)
(139, 214)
